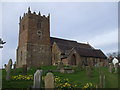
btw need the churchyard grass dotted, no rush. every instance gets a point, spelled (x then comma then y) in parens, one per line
(79, 77)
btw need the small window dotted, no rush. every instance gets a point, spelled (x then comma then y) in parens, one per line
(23, 27)
(21, 56)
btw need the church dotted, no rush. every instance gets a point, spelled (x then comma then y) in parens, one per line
(37, 48)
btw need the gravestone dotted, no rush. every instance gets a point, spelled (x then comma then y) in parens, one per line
(14, 66)
(60, 65)
(97, 65)
(116, 67)
(8, 69)
(49, 80)
(110, 67)
(66, 70)
(5, 67)
(28, 68)
(101, 64)
(24, 69)
(37, 79)
(88, 71)
(100, 78)
(104, 81)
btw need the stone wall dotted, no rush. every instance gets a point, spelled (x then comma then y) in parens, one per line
(77, 58)
(34, 41)
(56, 53)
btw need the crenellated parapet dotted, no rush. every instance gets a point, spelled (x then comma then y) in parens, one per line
(30, 14)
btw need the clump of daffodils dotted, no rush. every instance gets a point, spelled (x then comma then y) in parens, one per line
(63, 83)
(22, 77)
(88, 85)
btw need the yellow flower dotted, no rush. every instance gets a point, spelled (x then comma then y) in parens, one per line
(85, 86)
(90, 84)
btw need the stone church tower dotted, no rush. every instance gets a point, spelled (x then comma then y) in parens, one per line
(34, 40)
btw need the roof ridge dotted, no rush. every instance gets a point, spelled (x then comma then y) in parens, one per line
(63, 39)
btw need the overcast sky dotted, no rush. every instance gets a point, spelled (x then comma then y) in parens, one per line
(96, 23)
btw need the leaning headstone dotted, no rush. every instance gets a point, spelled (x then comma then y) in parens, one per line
(110, 67)
(8, 69)
(37, 79)
(116, 67)
(24, 69)
(49, 80)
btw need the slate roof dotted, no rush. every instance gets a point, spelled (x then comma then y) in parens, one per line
(90, 52)
(68, 43)
(85, 50)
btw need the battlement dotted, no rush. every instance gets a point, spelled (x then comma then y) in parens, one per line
(34, 14)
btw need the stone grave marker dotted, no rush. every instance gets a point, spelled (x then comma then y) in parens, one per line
(49, 80)
(37, 79)
(5, 67)
(100, 78)
(60, 65)
(28, 68)
(8, 69)
(24, 69)
(116, 67)
(14, 66)
(104, 81)
(88, 71)
(110, 67)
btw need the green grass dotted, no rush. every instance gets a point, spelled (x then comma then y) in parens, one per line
(79, 76)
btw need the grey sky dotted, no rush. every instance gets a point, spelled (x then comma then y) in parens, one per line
(96, 23)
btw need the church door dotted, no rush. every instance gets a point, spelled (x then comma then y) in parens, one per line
(73, 60)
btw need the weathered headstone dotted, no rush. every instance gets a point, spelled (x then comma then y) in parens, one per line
(97, 65)
(100, 78)
(37, 79)
(116, 67)
(8, 69)
(110, 67)
(5, 67)
(14, 66)
(60, 65)
(24, 69)
(104, 81)
(88, 71)
(66, 70)
(101, 64)
(49, 80)
(28, 68)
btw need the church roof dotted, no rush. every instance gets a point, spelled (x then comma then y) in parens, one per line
(90, 52)
(83, 49)
(68, 43)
